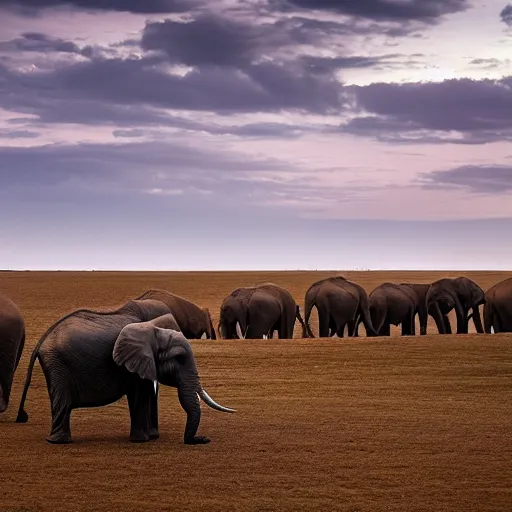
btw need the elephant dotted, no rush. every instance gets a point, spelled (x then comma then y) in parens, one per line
(391, 303)
(193, 320)
(419, 295)
(12, 341)
(498, 307)
(461, 294)
(339, 302)
(259, 311)
(92, 358)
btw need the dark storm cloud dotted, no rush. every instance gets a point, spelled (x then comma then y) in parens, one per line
(428, 11)
(134, 6)
(263, 87)
(480, 110)
(36, 42)
(487, 179)
(214, 40)
(506, 15)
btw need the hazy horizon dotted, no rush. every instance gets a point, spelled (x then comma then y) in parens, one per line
(255, 135)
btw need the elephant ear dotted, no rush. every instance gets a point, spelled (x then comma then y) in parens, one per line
(133, 349)
(172, 345)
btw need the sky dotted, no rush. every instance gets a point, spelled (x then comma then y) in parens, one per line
(255, 134)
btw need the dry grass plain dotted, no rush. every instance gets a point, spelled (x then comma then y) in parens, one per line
(368, 424)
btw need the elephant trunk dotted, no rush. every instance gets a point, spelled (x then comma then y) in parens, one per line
(477, 319)
(489, 323)
(435, 311)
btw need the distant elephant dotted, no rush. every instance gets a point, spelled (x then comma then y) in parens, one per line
(461, 294)
(339, 303)
(259, 311)
(498, 307)
(92, 358)
(12, 341)
(193, 320)
(391, 304)
(419, 294)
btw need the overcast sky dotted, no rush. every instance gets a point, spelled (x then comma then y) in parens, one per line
(255, 134)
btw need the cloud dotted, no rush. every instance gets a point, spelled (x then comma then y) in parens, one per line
(490, 63)
(157, 165)
(37, 42)
(506, 15)
(266, 87)
(486, 179)
(134, 6)
(427, 11)
(463, 110)
(18, 134)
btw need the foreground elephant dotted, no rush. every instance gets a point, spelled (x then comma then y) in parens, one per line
(391, 304)
(12, 341)
(259, 311)
(193, 320)
(461, 294)
(92, 358)
(498, 307)
(339, 303)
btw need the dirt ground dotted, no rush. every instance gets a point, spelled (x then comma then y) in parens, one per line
(368, 424)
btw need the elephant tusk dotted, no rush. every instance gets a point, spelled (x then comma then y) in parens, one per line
(155, 383)
(208, 400)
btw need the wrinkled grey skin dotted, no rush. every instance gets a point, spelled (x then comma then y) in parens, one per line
(259, 311)
(193, 320)
(498, 307)
(84, 367)
(418, 292)
(391, 304)
(339, 303)
(461, 294)
(12, 341)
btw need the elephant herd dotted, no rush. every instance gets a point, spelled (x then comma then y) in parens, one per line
(93, 358)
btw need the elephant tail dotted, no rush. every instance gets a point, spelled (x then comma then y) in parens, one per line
(22, 415)
(489, 317)
(299, 318)
(364, 315)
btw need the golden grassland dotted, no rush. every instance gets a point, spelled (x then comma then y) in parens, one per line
(365, 424)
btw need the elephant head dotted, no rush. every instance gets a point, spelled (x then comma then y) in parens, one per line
(165, 356)
(232, 312)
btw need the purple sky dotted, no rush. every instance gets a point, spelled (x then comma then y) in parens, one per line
(255, 134)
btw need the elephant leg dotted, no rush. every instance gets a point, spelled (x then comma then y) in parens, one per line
(351, 327)
(323, 324)
(408, 325)
(153, 420)
(446, 324)
(139, 397)
(61, 419)
(341, 329)
(59, 388)
(385, 330)
(413, 325)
